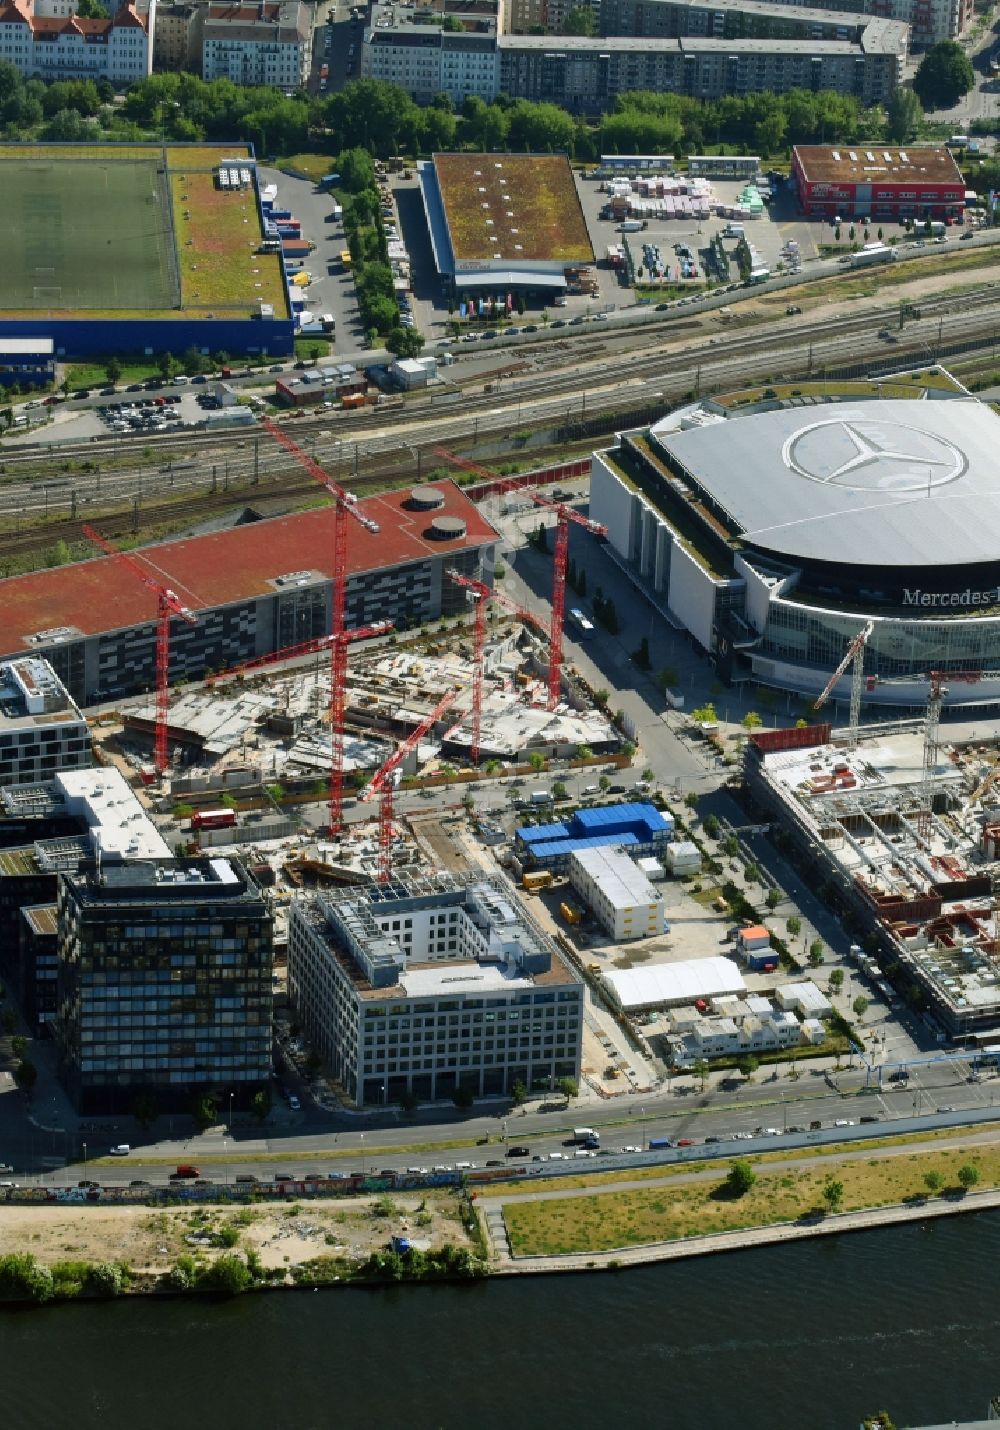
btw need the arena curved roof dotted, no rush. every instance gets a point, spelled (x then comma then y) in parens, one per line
(881, 483)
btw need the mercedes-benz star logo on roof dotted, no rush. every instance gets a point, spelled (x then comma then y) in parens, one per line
(864, 454)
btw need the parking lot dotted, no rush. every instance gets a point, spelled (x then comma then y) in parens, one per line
(332, 287)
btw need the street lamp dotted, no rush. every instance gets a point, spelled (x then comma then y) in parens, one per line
(642, 1118)
(362, 1154)
(230, 1114)
(85, 1159)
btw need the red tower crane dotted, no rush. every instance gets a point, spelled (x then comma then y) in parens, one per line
(168, 604)
(344, 504)
(483, 595)
(564, 515)
(381, 783)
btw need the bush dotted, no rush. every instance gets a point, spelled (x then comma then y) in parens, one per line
(228, 1276)
(22, 1279)
(106, 1278)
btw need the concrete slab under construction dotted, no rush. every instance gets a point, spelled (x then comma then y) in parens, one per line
(922, 875)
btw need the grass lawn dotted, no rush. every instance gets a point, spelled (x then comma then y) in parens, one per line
(93, 374)
(610, 1220)
(308, 348)
(313, 166)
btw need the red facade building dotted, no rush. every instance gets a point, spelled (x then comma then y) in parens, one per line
(870, 181)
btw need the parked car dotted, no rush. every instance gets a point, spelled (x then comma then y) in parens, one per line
(518, 1152)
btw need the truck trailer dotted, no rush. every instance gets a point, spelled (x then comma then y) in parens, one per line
(871, 254)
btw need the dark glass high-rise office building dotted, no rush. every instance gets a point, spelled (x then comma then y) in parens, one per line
(164, 983)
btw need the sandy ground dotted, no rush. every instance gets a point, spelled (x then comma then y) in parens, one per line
(284, 1234)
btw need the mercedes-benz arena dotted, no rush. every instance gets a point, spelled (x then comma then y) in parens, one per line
(774, 533)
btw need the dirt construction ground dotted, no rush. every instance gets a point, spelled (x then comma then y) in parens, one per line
(285, 1233)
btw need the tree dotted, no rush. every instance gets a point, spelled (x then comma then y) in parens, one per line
(691, 801)
(704, 714)
(968, 1176)
(260, 1105)
(794, 925)
(747, 1065)
(860, 1006)
(640, 656)
(112, 368)
(741, 1178)
(518, 1093)
(579, 21)
(833, 1194)
(667, 677)
(604, 783)
(943, 76)
(145, 1108)
(816, 952)
(192, 362)
(701, 1070)
(601, 697)
(904, 113)
(559, 790)
(537, 761)
(933, 1181)
(772, 898)
(19, 1045)
(568, 1087)
(710, 824)
(649, 775)
(751, 720)
(836, 979)
(204, 1112)
(25, 1075)
(404, 342)
(584, 752)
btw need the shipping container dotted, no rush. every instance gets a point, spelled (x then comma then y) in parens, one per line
(537, 879)
(213, 819)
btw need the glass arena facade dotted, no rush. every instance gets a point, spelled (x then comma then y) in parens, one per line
(774, 532)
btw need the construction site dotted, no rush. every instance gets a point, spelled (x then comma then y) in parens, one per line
(261, 743)
(902, 825)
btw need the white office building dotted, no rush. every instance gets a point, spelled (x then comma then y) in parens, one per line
(41, 728)
(624, 902)
(426, 986)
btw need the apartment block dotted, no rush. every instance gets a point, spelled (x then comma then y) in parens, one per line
(177, 39)
(268, 43)
(426, 59)
(587, 75)
(164, 983)
(426, 986)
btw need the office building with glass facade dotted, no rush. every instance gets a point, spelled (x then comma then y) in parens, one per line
(775, 531)
(425, 987)
(164, 983)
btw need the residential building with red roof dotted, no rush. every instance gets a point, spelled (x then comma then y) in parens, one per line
(48, 40)
(253, 589)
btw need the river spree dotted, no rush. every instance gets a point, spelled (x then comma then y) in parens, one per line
(809, 1335)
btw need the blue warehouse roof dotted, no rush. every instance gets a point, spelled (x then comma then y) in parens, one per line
(555, 848)
(599, 826)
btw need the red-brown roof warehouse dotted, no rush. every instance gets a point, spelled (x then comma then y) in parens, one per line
(254, 588)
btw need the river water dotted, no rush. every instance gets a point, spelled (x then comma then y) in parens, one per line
(810, 1336)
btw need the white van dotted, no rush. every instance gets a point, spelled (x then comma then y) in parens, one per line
(591, 789)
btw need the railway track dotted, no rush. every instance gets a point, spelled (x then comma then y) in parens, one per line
(389, 445)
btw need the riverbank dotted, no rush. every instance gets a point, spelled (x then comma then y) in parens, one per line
(748, 1238)
(584, 1222)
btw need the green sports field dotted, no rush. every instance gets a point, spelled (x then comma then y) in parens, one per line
(86, 235)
